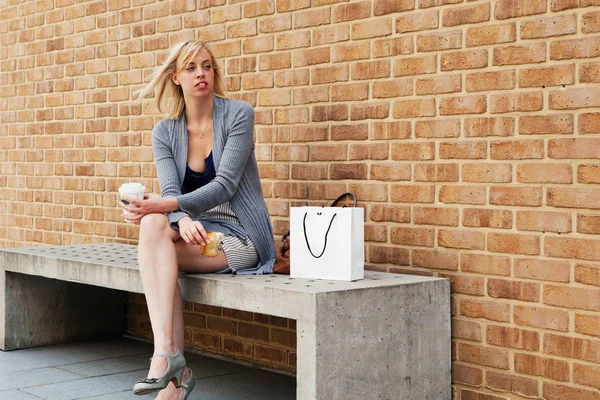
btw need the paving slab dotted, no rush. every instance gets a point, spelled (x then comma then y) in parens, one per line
(205, 367)
(37, 377)
(16, 395)
(250, 385)
(84, 388)
(107, 371)
(41, 357)
(117, 347)
(109, 366)
(126, 395)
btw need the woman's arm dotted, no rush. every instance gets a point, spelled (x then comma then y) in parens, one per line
(239, 145)
(166, 171)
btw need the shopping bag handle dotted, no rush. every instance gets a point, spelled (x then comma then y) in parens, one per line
(335, 202)
(326, 234)
(342, 196)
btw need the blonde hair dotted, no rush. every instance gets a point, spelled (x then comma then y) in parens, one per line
(162, 84)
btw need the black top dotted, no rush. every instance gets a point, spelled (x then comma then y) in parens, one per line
(194, 180)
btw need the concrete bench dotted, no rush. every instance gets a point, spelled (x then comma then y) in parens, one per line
(384, 337)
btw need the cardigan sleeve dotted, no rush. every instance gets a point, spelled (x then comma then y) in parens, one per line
(166, 168)
(238, 147)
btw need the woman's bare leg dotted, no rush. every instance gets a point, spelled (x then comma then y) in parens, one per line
(170, 392)
(189, 260)
(158, 269)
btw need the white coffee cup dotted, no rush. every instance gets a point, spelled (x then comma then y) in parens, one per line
(134, 191)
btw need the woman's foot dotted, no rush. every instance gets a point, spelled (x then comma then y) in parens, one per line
(165, 369)
(158, 366)
(173, 393)
(159, 363)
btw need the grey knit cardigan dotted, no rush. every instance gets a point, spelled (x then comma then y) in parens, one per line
(236, 180)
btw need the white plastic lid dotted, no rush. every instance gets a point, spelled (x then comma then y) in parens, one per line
(132, 187)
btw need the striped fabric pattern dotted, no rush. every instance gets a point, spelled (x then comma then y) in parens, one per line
(240, 254)
(237, 180)
(224, 212)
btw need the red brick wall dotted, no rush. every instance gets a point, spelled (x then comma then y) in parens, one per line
(255, 339)
(469, 130)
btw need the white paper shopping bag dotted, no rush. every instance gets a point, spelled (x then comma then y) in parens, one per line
(327, 243)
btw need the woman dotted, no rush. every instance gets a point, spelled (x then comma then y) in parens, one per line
(209, 182)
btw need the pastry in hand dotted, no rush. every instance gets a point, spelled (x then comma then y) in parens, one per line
(212, 248)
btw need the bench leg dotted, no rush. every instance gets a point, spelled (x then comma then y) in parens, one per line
(36, 311)
(381, 343)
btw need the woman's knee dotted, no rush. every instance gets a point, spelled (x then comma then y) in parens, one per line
(154, 226)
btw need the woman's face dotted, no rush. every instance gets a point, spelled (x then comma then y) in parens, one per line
(198, 77)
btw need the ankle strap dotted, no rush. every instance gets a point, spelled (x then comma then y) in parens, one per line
(165, 355)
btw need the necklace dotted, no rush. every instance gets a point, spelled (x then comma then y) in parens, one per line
(203, 131)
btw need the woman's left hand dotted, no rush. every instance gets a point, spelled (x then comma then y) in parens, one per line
(151, 204)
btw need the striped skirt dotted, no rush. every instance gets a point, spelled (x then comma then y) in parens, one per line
(240, 254)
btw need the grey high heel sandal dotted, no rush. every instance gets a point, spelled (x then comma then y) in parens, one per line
(188, 386)
(174, 372)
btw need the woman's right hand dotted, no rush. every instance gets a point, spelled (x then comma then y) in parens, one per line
(192, 231)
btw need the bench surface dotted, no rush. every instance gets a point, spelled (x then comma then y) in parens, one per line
(115, 266)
